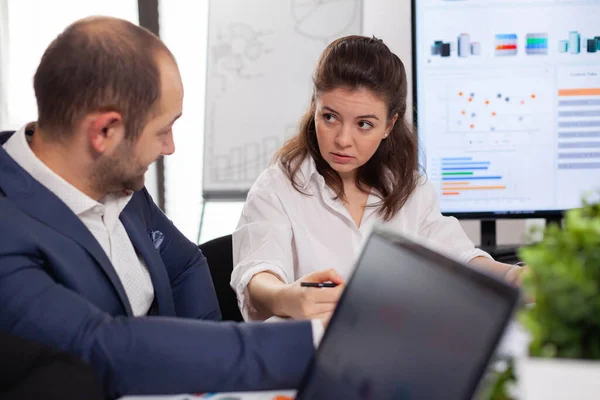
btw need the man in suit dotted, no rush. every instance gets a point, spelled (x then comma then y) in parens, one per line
(88, 263)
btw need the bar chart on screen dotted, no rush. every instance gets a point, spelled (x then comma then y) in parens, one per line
(470, 177)
(477, 179)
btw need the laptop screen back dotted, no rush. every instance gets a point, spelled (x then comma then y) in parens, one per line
(410, 325)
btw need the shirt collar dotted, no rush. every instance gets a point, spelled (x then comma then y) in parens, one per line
(308, 168)
(18, 149)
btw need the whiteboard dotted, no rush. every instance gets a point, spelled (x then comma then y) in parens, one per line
(261, 55)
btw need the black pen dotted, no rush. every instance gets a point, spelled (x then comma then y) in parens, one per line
(318, 284)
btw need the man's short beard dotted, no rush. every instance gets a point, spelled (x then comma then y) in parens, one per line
(118, 172)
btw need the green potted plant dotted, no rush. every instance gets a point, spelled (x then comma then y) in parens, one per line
(563, 360)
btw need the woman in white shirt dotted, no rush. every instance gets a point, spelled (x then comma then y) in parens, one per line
(353, 162)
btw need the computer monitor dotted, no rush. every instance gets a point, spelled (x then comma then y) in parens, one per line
(507, 96)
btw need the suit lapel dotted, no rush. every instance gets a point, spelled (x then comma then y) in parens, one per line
(39, 203)
(160, 279)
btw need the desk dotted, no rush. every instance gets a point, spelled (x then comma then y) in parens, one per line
(278, 395)
(513, 344)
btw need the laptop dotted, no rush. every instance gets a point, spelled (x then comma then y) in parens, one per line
(411, 324)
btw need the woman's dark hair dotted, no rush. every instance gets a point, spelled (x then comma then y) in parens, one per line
(358, 62)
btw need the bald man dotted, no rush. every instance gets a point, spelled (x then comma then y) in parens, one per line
(88, 263)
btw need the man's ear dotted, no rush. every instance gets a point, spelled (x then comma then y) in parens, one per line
(105, 130)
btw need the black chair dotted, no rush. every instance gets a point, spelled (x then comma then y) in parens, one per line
(219, 254)
(4, 135)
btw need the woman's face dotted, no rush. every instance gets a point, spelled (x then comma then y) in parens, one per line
(350, 125)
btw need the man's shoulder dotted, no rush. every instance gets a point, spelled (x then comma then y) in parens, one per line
(141, 204)
(16, 226)
(10, 213)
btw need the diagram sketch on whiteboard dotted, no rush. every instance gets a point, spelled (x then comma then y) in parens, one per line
(259, 81)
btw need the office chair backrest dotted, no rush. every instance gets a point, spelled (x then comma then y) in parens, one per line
(219, 254)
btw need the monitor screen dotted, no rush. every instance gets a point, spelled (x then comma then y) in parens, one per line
(508, 102)
(428, 333)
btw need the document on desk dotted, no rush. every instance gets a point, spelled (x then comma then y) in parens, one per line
(276, 395)
(279, 395)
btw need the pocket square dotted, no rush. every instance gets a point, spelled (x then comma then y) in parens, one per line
(157, 238)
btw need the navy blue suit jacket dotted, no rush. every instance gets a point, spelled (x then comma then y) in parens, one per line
(57, 286)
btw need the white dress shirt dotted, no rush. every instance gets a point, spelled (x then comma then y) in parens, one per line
(291, 234)
(100, 217)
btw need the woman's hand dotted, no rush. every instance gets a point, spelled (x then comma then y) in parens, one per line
(515, 275)
(298, 302)
(512, 274)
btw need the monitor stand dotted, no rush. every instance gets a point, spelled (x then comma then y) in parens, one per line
(503, 253)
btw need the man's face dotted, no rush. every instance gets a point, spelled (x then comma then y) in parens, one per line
(125, 168)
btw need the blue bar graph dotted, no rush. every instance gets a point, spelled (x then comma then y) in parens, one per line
(444, 163)
(456, 158)
(463, 168)
(471, 178)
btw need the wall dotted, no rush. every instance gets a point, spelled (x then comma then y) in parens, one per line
(390, 20)
(183, 27)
